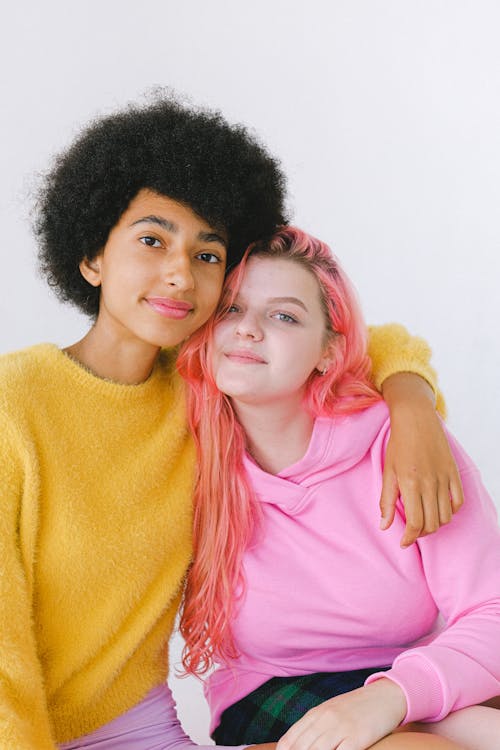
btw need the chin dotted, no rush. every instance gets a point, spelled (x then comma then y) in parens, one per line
(232, 389)
(168, 339)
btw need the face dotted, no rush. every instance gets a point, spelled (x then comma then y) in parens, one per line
(273, 336)
(160, 273)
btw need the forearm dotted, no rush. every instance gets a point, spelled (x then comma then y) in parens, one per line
(392, 349)
(24, 719)
(403, 388)
(419, 465)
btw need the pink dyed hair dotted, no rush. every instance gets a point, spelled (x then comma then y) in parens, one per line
(226, 515)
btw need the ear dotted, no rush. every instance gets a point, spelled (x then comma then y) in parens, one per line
(328, 357)
(91, 270)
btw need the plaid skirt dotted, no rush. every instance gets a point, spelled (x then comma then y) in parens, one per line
(267, 712)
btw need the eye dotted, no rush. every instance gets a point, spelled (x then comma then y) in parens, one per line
(207, 257)
(285, 317)
(231, 309)
(150, 241)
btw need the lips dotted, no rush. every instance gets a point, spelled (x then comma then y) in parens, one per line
(245, 356)
(170, 308)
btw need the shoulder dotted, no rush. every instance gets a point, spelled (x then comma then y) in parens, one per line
(22, 373)
(365, 425)
(347, 439)
(16, 365)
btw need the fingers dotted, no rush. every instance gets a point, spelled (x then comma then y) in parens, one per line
(318, 737)
(300, 734)
(388, 498)
(429, 505)
(414, 509)
(351, 721)
(422, 465)
(456, 491)
(444, 503)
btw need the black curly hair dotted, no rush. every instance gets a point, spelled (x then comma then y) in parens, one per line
(189, 154)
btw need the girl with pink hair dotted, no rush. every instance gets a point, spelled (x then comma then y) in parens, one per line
(324, 632)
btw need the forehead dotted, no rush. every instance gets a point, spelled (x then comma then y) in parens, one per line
(180, 216)
(279, 277)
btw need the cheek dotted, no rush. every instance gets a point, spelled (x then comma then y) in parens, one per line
(219, 337)
(209, 292)
(224, 332)
(124, 274)
(302, 354)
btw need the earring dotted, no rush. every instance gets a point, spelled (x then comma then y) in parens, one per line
(323, 371)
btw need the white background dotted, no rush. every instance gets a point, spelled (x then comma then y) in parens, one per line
(385, 113)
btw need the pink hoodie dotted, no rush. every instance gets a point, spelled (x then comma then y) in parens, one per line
(328, 591)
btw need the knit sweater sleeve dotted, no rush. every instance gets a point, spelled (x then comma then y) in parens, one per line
(460, 666)
(24, 719)
(392, 349)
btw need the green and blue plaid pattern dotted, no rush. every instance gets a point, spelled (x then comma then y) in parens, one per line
(267, 712)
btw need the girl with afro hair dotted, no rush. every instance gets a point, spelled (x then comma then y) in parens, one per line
(138, 222)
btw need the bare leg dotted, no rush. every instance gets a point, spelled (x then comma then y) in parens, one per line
(402, 740)
(475, 728)
(416, 741)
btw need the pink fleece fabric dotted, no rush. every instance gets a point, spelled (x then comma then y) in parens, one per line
(328, 591)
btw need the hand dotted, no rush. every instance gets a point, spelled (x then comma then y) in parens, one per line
(419, 464)
(353, 721)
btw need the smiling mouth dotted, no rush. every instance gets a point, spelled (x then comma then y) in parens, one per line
(170, 308)
(245, 357)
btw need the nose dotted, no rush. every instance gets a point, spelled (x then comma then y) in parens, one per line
(178, 270)
(249, 327)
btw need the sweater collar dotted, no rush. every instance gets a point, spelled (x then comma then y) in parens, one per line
(55, 362)
(337, 444)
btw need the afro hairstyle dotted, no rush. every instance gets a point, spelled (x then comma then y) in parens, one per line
(192, 155)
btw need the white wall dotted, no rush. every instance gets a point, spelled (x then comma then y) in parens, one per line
(386, 115)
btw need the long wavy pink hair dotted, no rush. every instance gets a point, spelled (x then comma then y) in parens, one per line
(226, 515)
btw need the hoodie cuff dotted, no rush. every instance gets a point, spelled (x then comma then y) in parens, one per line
(420, 684)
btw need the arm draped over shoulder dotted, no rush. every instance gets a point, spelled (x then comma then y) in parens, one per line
(392, 349)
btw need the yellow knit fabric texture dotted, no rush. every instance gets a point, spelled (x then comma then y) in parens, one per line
(392, 349)
(95, 538)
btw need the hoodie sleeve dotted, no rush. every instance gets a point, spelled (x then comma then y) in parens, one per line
(460, 666)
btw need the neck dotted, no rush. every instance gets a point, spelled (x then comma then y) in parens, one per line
(277, 435)
(129, 362)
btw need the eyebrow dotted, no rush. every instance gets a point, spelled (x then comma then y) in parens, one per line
(294, 300)
(173, 228)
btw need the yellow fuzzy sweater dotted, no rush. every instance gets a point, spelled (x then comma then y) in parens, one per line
(95, 525)
(95, 529)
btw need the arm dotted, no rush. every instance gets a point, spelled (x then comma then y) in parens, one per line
(24, 719)
(393, 350)
(419, 464)
(461, 565)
